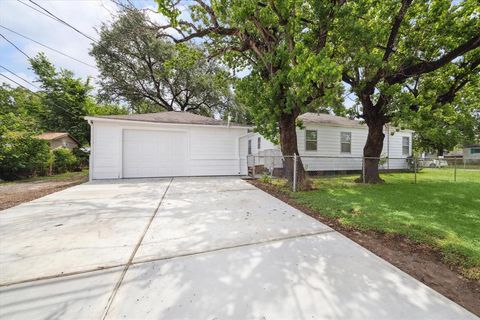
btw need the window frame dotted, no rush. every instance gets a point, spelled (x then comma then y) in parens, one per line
(249, 147)
(259, 143)
(405, 146)
(307, 140)
(349, 143)
(477, 150)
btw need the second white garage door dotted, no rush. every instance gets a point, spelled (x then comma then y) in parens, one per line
(154, 153)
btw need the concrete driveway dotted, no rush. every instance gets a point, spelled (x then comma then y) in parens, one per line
(201, 248)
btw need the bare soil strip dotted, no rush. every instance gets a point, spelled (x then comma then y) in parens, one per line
(13, 194)
(418, 260)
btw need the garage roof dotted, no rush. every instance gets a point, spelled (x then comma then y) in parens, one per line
(171, 117)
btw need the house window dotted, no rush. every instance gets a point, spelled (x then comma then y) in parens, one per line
(405, 146)
(311, 140)
(249, 146)
(346, 142)
(259, 143)
(474, 150)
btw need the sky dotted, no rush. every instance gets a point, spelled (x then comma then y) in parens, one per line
(85, 15)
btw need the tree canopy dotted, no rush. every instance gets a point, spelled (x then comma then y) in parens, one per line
(444, 106)
(282, 44)
(383, 45)
(60, 105)
(153, 74)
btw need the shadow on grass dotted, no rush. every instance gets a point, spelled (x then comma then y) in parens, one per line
(441, 213)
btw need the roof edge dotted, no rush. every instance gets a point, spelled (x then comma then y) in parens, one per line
(104, 119)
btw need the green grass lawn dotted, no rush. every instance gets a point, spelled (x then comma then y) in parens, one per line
(436, 210)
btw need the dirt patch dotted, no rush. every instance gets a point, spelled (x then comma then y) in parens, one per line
(418, 260)
(12, 194)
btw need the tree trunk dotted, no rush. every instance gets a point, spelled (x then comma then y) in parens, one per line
(288, 145)
(440, 152)
(373, 151)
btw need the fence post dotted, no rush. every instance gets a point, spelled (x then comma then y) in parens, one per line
(295, 173)
(455, 169)
(363, 169)
(253, 167)
(415, 168)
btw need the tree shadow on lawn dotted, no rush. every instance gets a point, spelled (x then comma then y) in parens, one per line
(444, 214)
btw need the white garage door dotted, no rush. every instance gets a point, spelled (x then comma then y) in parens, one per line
(154, 153)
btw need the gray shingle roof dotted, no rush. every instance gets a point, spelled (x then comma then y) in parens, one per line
(328, 119)
(172, 117)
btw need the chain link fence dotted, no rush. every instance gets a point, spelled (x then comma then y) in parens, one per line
(289, 168)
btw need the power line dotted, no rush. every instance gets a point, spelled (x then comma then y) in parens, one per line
(13, 44)
(33, 8)
(50, 48)
(16, 75)
(63, 21)
(36, 94)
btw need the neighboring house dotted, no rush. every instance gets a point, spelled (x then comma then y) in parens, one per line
(330, 143)
(471, 152)
(184, 144)
(59, 140)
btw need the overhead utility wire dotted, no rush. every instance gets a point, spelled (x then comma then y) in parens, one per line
(16, 75)
(48, 47)
(13, 44)
(63, 21)
(36, 94)
(33, 8)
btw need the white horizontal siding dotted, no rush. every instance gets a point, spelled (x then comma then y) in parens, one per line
(328, 156)
(211, 150)
(328, 141)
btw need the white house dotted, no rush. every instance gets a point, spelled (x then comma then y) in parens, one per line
(330, 143)
(162, 145)
(183, 144)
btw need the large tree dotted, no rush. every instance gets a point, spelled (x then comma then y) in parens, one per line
(64, 99)
(20, 110)
(60, 105)
(384, 44)
(445, 109)
(153, 74)
(283, 44)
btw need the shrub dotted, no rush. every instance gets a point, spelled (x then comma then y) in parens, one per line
(64, 160)
(265, 178)
(82, 158)
(23, 156)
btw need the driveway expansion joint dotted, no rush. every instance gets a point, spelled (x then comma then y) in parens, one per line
(309, 234)
(61, 275)
(134, 252)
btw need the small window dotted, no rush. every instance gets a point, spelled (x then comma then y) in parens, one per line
(474, 150)
(259, 143)
(406, 146)
(346, 142)
(311, 140)
(249, 146)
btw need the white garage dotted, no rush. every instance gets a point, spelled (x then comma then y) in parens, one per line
(164, 144)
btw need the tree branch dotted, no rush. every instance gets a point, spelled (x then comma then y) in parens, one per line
(406, 72)
(395, 27)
